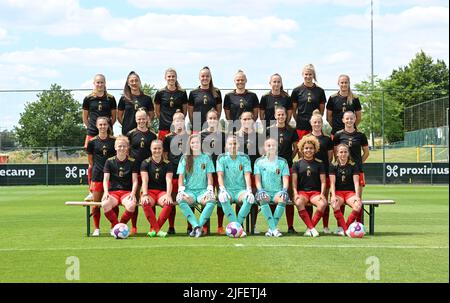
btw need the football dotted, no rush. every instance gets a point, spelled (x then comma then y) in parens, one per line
(356, 230)
(120, 231)
(234, 230)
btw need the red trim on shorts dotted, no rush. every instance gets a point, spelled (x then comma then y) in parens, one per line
(119, 194)
(301, 133)
(96, 186)
(87, 139)
(362, 180)
(155, 194)
(162, 134)
(345, 194)
(309, 194)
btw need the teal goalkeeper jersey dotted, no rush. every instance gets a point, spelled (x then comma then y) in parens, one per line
(234, 170)
(198, 178)
(271, 173)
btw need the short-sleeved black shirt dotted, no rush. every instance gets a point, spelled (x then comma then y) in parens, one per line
(140, 144)
(202, 100)
(339, 105)
(308, 99)
(130, 108)
(121, 173)
(344, 175)
(98, 107)
(175, 145)
(268, 104)
(156, 173)
(326, 144)
(239, 103)
(170, 102)
(355, 141)
(286, 137)
(308, 174)
(100, 150)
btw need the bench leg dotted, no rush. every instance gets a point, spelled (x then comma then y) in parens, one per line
(247, 223)
(253, 213)
(372, 220)
(88, 220)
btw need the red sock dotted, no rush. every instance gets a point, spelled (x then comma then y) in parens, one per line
(306, 218)
(340, 219)
(360, 216)
(116, 211)
(220, 216)
(134, 218)
(309, 209)
(290, 215)
(126, 217)
(164, 214)
(150, 214)
(352, 217)
(317, 216)
(172, 217)
(326, 216)
(96, 216)
(111, 216)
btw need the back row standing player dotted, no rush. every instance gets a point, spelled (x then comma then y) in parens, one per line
(97, 104)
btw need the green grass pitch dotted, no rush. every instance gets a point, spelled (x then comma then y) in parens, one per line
(40, 233)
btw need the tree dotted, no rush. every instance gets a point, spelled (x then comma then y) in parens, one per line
(53, 120)
(151, 91)
(393, 124)
(7, 139)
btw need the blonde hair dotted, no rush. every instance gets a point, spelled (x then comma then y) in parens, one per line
(122, 138)
(172, 70)
(350, 93)
(316, 113)
(308, 139)
(311, 68)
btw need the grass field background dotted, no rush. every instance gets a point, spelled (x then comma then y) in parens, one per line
(39, 234)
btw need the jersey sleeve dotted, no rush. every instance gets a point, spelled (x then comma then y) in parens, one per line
(288, 103)
(144, 166)
(357, 105)
(322, 168)
(184, 98)
(169, 167)
(295, 167)
(86, 103)
(323, 98)
(285, 168)
(121, 103)
(356, 170)
(247, 164)
(135, 167)
(158, 97)
(257, 170)
(149, 104)
(219, 163)
(210, 166)
(336, 139)
(263, 103)
(296, 138)
(90, 147)
(255, 101)
(166, 145)
(191, 100)
(364, 141)
(219, 97)
(226, 102)
(332, 169)
(329, 144)
(294, 95)
(113, 103)
(330, 104)
(181, 166)
(107, 167)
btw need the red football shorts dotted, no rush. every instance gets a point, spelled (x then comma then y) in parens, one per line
(309, 194)
(119, 194)
(345, 194)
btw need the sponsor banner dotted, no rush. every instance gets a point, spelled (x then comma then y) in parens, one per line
(375, 173)
(41, 174)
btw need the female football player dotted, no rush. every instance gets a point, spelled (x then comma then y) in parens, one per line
(240, 100)
(272, 182)
(140, 139)
(325, 154)
(195, 184)
(99, 149)
(235, 185)
(120, 183)
(309, 183)
(133, 99)
(156, 176)
(174, 144)
(202, 99)
(306, 98)
(97, 104)
(287, 139)
(344, 185)
(358, 147)
(168, 101)
(276, 97)
(213, 144)
(344, 100)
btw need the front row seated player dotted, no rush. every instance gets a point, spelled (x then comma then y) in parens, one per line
(272, 182)
(344, 185)
(309, 183)
(194, 175)
(120, 183)
(156, 176)
(235, 185)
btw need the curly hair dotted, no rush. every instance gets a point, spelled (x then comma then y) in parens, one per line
(308, 139)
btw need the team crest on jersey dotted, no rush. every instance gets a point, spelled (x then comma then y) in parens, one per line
(308, 171)
(104, 150)
(241, 103)
(205, 100)
(171, 103)
(203, 166)
(136, 105)
(100, 106)
(350, 142)
(344, 107)
(281, 139)
(278, 171)
(309, 98)
(157, 174)
(241, 167)
(121, 172)
(343, 179)
(142, 145)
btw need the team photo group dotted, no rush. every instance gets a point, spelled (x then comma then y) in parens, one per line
(253, 158)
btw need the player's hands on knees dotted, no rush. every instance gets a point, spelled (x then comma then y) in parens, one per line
(145, 200)
(223, 195)
(250, 197)
(105, 197)
(334, 202)
(167, 199)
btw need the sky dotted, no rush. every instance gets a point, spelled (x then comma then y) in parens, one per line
(69, 41)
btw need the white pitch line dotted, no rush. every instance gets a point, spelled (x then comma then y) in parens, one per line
(152, 246)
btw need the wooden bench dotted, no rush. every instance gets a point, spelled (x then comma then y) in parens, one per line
(371, 203)
(88, 205)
